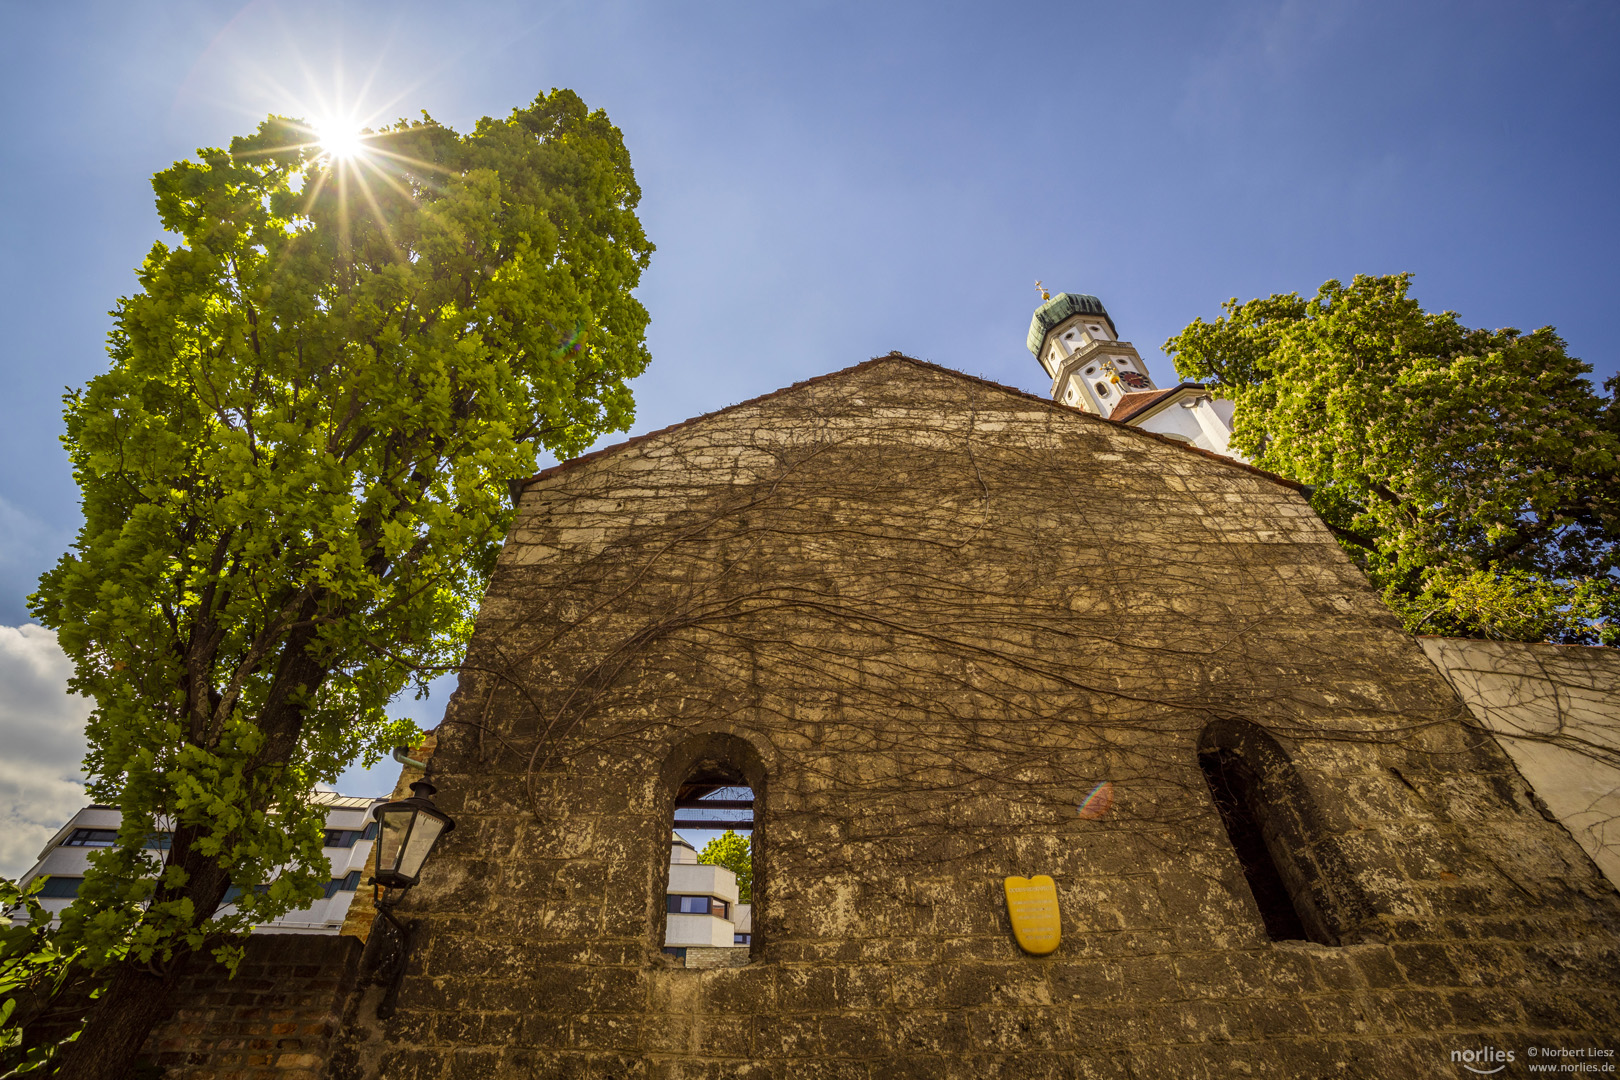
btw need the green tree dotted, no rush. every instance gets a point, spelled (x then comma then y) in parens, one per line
(1474, 474)
(295, 484)
(735, 853)
(35, 974)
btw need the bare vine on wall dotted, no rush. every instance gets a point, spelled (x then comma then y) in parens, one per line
(952, 634)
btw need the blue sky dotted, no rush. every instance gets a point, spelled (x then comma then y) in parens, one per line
(828, 181)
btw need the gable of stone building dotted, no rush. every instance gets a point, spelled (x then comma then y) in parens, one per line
(842, 387)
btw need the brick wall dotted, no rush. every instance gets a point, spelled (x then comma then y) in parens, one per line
(275, 1018)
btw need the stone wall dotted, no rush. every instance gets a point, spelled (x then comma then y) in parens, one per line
(275, 1018)
(1556, 711)
(924, 617)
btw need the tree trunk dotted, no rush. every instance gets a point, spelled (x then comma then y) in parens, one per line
(136, 1002)
(132, 1005)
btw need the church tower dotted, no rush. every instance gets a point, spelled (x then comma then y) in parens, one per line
(1092, 370)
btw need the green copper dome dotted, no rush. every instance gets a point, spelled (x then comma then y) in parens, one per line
(1057, 309)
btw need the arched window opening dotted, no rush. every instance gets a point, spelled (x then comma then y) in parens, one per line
(1234, 798)
(1294, 867)
(713, 884)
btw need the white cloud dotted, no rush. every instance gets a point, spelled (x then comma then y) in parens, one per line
(41, 744)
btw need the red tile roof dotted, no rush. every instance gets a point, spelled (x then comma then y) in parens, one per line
(1135, 404)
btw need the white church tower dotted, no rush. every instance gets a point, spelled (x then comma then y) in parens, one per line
(1091, 369)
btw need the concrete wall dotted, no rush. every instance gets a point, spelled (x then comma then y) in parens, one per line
(703, 879)
(923, 617)
(1556, 711)
(708, 931)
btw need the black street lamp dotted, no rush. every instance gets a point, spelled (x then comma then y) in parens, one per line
(406, 832)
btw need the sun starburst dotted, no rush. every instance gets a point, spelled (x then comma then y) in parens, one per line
(341, 139)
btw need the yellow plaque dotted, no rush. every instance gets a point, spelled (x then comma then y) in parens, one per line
(1032, 905)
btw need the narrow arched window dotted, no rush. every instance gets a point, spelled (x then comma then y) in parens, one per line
(1293, 868)
(714, 881)
(1233, 788)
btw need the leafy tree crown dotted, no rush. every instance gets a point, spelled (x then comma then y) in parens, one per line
(1475, 474)
(295, 474)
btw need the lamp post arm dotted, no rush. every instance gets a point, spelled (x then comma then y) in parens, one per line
(403, 758)
(390, 973)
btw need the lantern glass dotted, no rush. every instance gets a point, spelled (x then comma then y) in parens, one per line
(394, 823)
(424, 834)
(407, 831)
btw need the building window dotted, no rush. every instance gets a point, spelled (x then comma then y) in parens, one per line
(155, 841)
(740, 939)
(234, 893)
(60, 888)
(698, 905)
(1233, 791)
(347, 883)
(1103, 390)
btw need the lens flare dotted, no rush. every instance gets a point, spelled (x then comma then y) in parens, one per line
(1098, 802)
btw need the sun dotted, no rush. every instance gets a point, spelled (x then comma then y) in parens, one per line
(340, 139)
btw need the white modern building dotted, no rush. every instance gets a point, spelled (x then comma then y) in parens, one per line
(702, 909)
(1091, 369)
(349, 832)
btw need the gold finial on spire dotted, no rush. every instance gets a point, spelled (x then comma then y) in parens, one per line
(1044, 294)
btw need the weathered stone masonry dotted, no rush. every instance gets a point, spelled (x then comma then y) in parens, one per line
(924, 615)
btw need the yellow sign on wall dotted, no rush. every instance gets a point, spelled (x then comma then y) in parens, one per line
(1033, 907)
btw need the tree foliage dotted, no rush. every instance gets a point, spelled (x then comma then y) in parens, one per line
(1474, 474)
(735, 853)
(36, 971)
(295, 475)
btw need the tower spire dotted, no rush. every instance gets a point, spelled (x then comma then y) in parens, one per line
(1094, 371)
